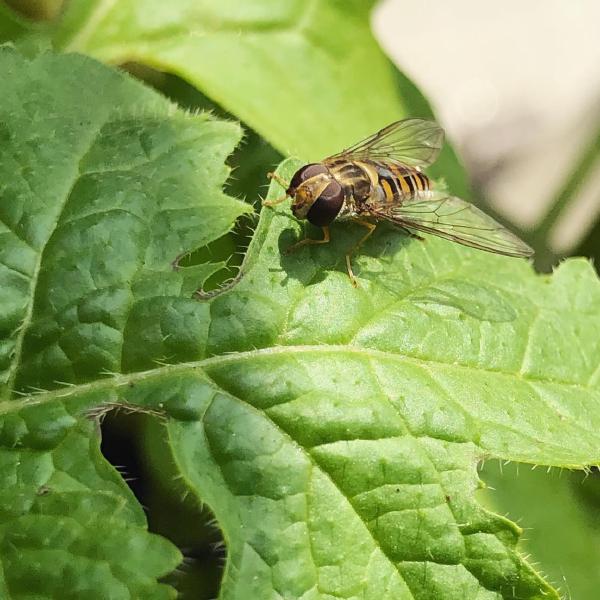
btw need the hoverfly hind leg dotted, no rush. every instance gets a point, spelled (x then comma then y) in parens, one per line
(412, 234)
(371, 227)
(406, 231)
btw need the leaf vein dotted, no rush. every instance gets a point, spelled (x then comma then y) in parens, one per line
(24, 326)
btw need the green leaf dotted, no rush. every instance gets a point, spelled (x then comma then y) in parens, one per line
(103, 184)
(237, 66)
(252, 158)
(335, 432)
(370, 422)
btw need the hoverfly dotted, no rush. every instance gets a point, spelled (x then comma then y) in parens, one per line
(380, 178)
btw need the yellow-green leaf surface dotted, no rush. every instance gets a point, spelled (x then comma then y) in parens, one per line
(306, 75)
(259, 60)
(351, 420)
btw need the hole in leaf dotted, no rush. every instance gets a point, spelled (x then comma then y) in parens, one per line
(136, 445)
(250, 162)
(225, 255)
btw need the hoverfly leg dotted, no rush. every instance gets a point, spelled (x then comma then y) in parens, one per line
(283, 184)
(275, 202)
(278, 179)
(371, 227)
(308, 241)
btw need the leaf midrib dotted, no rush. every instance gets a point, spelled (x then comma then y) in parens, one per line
(124, 379)
(96, 16)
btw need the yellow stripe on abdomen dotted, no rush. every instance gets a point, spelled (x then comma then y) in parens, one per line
(387, 190)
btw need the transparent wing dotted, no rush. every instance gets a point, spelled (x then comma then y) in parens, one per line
(454, 219)
(413, 142)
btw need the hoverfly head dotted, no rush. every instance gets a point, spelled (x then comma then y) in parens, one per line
(318, 197)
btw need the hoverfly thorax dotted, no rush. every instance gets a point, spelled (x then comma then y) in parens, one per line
(318, 197)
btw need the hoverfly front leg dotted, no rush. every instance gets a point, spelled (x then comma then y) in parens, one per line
(278, 179)
(283, 184)
(371, 227)
(306, 241)
(275, 202)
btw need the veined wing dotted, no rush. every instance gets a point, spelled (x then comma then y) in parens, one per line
(413, 142)
(453, 219)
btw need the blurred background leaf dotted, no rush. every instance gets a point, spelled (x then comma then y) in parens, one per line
(559, 511)
(42, 10)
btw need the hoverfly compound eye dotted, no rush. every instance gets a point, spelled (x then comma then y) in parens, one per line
(327, 206)
(304, 173)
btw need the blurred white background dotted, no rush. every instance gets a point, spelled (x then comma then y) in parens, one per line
(517, 87)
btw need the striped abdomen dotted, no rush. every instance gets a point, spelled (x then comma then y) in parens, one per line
(395, 181)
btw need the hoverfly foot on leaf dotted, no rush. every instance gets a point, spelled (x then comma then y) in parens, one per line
(353, 279)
